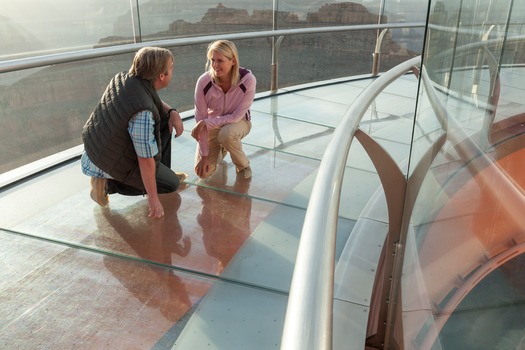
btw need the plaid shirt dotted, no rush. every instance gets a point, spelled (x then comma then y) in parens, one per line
(141, 130)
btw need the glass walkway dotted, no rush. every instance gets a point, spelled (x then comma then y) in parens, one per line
(385, 209)
(215, 271)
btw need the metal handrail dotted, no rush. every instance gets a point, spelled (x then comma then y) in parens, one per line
(80, 55)
(308, 320)
(72, 56)
(377, 53)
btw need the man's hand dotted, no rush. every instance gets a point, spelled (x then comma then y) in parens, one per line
(147, 172)
(175, 121)
(155, 207)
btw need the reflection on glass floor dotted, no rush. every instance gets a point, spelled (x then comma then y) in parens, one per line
(214, 273)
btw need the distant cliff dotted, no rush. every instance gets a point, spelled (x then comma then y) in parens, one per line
(222, 19)
(225, 19)
(343, 13)
(353, 45)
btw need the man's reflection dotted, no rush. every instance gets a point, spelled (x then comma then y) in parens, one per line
(155, 240)
(224, 217)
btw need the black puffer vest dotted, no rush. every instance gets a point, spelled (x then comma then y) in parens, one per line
(105, 134)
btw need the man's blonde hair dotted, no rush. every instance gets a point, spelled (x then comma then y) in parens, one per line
(151, 62)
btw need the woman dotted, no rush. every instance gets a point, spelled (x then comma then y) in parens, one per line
(223, 97)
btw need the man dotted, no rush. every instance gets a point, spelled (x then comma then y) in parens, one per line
(127, 138)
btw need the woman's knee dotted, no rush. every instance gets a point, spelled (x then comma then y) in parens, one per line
(226, 135)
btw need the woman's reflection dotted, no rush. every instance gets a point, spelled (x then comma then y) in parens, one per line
(224, 217)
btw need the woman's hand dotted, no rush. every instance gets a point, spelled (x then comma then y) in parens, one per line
(203, 166)
(197, 129)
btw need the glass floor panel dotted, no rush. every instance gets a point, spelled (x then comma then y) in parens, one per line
(75, 275)
(59, 297)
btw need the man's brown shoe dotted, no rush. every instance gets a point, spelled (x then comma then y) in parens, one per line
(98, 191)
(182, 185)
(182, 176)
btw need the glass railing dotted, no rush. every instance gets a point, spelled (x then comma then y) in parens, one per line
(43, 28)
(459, 284)
(53, 67)
(450, 270)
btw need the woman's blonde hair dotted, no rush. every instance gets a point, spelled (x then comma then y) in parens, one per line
(229, 50)
(150, 62)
